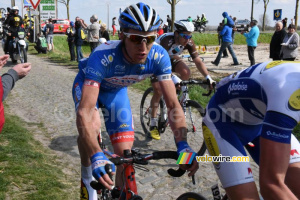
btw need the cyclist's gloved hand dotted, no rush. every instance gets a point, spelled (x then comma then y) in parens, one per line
(99, 161)
(211, 82)
(183, 146)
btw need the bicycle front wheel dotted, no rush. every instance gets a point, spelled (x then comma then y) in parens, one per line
(194, 114)
(191, 196)
(145, 111)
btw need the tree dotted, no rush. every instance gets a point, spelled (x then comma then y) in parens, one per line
(66, 3)
(267, 20)
(172, 3)
(296, 14)
(266, 2)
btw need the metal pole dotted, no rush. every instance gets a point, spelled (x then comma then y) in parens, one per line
(107, 15)
(13, 3)
(252, 10)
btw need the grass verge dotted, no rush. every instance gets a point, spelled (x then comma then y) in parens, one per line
(27, 170)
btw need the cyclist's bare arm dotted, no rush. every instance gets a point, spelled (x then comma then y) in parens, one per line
(200, 66)
(84, 119)
(176, 117)
(175, 112)
(274, 162)
(86, 129)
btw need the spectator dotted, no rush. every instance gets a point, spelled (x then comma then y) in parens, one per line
(220, 27)
(160, 30)
(71, 40)
(284, 22)
(234, 29)
(78, 40)
(226, 34)
(290, 44)
(45, 29)
(203, 18)
(251, 39)
(93, 31)
(169, 20)
(41, 44)
(277, 39)
(165, 27)
(77, 19)
(189, 19)
(114, 24)
(8, 80)
(103, 32)
(49, 32)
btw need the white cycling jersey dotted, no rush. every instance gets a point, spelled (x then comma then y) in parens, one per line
(260, 101)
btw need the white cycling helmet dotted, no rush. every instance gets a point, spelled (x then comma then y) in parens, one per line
(184, 26)
(15, 8)
(102, 40)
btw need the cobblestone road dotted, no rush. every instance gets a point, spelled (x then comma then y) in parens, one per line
(45, 97)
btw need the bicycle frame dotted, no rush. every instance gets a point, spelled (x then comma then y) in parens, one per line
(129, 190)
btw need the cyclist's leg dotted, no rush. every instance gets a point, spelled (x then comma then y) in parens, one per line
(292, 178)
(222, 136)
(119, 124)
(87, 192)
(181, 68)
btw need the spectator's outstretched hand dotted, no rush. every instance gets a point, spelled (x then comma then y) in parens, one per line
(22, 69)
(3, 60)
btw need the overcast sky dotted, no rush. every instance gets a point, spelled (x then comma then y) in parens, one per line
(212, 8)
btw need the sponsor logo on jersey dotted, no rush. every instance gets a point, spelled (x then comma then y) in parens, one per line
(211, 144)
(90, 70)
(123, 126)
(277, 135)
(120, 68)
(294, 101)
(249, 170)
(92, 83)
(156, 56)
(237, 87)
(77, 93)
(166, 69)
(107, 59)
(294, 151)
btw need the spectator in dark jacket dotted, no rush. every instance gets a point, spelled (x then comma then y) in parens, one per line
(78, 40)
(277, 39)
(71, 40)
(103, 32)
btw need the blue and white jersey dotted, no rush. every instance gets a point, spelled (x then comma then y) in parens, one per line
(107, 66)
(246, 96)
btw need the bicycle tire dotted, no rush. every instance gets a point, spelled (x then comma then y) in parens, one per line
(194, 115)
(191, 196)
(144, 111)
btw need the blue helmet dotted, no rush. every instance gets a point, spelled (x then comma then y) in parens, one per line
(140, 17)
(72, 24)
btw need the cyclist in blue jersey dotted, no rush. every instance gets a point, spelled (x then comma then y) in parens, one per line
(102, 83)
(260, 104)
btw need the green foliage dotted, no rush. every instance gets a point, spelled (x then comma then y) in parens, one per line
(212, 38)
(27, 171)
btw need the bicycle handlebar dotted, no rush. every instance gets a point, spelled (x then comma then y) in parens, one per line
(142, 159)
(195, 82)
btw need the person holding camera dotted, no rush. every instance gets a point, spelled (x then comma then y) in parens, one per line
(251, 39)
